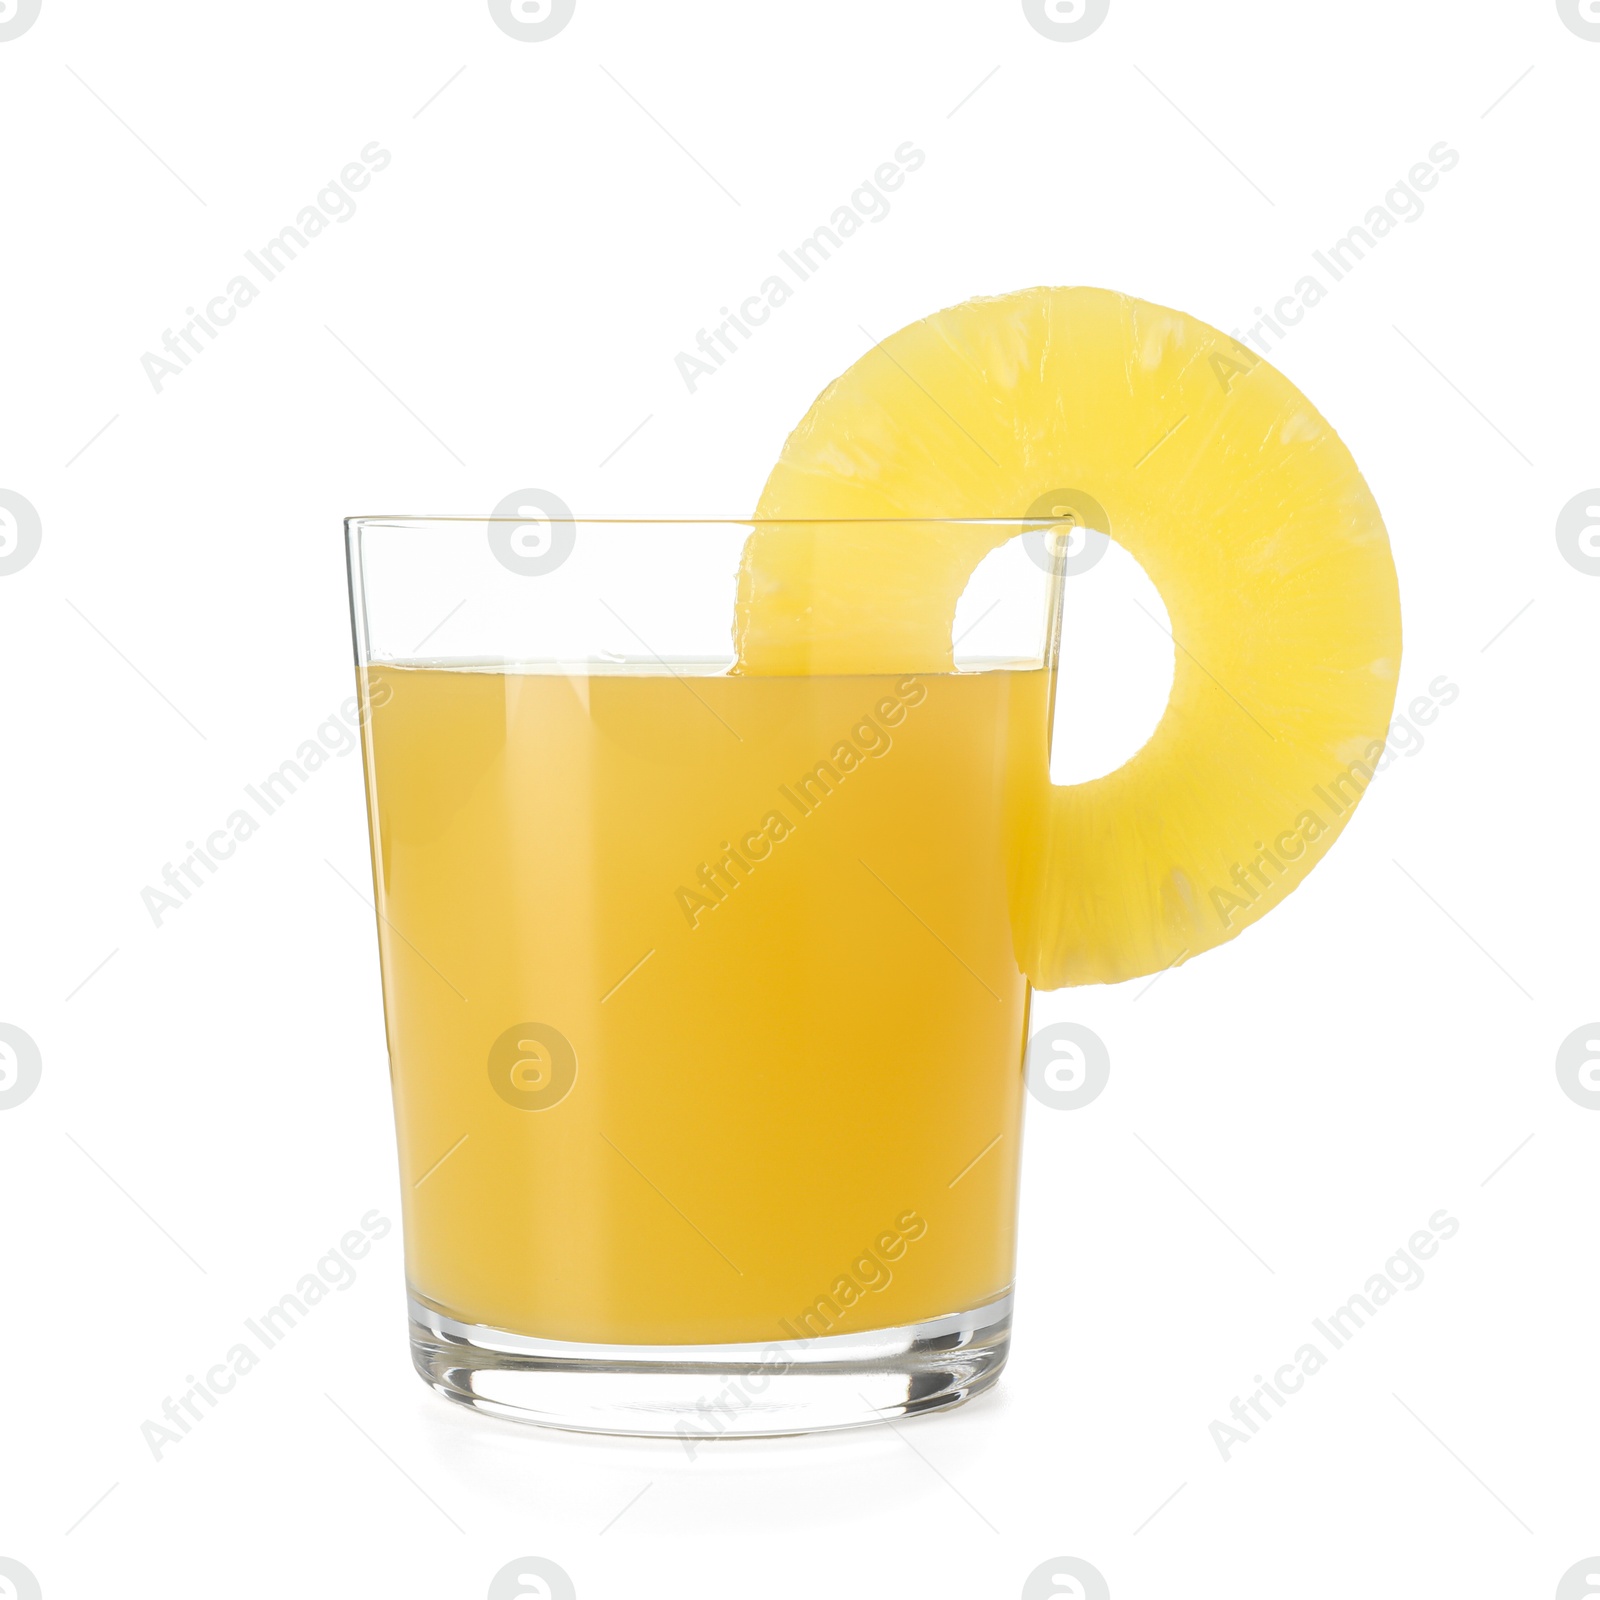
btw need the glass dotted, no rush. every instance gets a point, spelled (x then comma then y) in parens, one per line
(705, 1013)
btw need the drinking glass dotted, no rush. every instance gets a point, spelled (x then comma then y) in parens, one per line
(704, 1007)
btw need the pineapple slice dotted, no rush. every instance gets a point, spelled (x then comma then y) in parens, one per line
(1242, 505)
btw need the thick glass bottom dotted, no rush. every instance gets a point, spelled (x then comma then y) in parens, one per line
(701, 1393)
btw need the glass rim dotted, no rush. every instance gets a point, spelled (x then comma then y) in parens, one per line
(413, 520)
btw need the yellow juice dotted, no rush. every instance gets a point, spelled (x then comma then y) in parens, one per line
(704, 1011)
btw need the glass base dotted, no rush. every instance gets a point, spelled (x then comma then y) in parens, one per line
(701, 1393)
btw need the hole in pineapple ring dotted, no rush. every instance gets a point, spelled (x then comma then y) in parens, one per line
(1087, 542)
(1115, 675)
(1117, 657)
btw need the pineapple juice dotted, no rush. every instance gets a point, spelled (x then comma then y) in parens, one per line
(704, 1013)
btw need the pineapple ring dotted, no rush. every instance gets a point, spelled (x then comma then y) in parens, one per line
(1242, 505)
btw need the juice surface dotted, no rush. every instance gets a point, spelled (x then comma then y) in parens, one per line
(769, 916)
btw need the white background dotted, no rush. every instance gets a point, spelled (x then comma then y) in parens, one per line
(1281, 1114)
